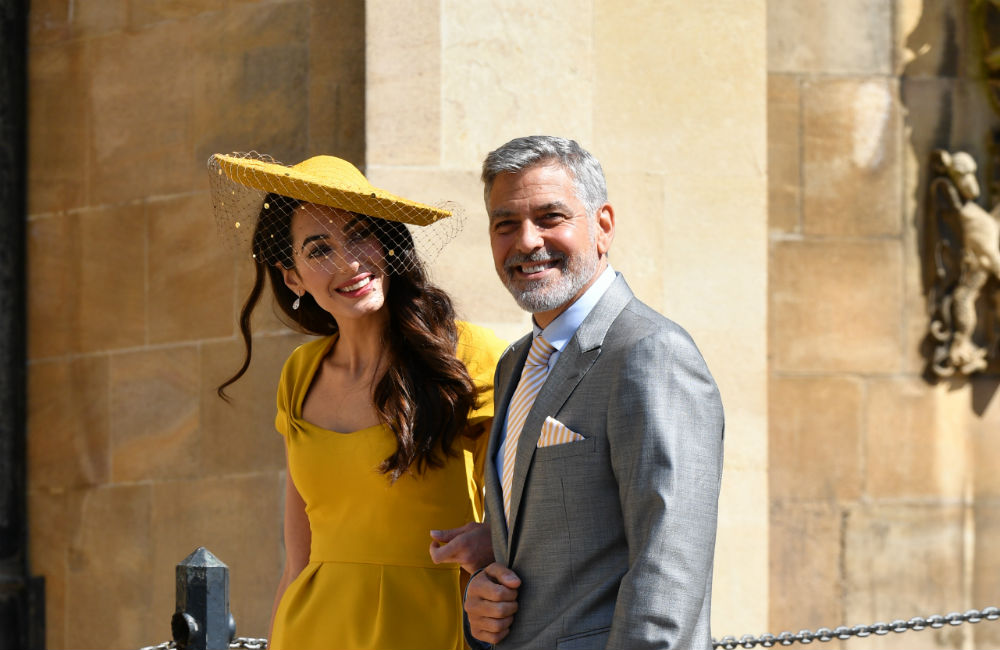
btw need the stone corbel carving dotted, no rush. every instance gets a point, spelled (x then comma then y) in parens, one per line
(966, 251)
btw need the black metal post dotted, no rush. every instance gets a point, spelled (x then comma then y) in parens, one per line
(22, 602)
(202, 620)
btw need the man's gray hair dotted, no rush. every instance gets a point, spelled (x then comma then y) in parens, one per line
(521, 153)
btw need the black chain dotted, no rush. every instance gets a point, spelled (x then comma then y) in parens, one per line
(824, 634)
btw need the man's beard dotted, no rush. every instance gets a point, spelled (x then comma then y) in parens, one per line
(543, 295)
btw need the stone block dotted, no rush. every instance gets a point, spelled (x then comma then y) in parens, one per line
(982, 425)
(68, 441)
(108, 594)
(784, 151)
(48, 21)
(239, 436)
(61, 20)
(805, 560)
(155, 416)
(192, 272)
(337, 79)
(835, 306)
(903, 561)
(688, 125)
(986, 571)
(497, 83)
(403, 82)
(250, 81)
(915, 443)
(58, 126)
(53, 250)
(238, 519)
(144, 14)
(830, 36)
(850, 157)
(88, 303)
(140, 104)
(815, 440)
(111, 308)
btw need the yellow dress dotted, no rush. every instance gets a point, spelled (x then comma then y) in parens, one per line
(370, 582)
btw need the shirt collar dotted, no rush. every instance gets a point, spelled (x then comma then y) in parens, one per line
(561, 330)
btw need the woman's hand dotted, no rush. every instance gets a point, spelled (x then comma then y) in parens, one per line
(469, 546)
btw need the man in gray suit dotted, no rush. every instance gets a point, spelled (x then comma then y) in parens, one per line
(603, 511)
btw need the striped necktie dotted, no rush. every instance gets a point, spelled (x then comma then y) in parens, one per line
(533, 375)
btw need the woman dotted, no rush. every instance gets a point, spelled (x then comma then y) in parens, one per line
(382, 416)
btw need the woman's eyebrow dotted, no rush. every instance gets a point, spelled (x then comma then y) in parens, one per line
(311, 238)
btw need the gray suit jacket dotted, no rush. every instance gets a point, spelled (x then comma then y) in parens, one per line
(613, 536)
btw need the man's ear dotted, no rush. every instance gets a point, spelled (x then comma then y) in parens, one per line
(605, 228)
(292, 280)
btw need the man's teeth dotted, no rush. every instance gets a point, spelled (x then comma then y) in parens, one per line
(534, 269)
(357, 285)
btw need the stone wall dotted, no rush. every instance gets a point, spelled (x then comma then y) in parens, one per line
(882, 484)
(133, 459)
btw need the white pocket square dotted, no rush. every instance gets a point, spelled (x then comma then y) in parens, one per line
(555, 432)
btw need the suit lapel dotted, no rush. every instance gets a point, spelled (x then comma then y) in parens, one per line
(574, 361)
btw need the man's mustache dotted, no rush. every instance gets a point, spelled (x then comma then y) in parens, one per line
(541, 255)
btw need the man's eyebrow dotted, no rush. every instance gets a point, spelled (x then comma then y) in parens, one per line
(559, 206)
(552, 205)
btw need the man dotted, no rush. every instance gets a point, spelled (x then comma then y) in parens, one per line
(606, 448)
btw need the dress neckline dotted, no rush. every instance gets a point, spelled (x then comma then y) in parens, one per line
(310, 376)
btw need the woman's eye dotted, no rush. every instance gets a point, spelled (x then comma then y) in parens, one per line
(321, 250)
(359, 234)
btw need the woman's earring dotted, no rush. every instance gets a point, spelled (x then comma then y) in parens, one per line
(298, 301)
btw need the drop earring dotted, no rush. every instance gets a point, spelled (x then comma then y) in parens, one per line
(298, 301)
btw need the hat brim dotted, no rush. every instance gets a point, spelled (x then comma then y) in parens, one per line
(296, 184)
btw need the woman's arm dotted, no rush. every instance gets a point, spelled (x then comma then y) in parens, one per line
(298, 538)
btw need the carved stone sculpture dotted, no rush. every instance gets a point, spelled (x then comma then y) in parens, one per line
(966, 256)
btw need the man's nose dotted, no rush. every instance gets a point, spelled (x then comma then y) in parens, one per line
(529, 237)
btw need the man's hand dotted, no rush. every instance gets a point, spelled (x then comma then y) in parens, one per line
(491, 601)
(469, 546)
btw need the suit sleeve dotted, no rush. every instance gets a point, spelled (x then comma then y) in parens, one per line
(665, 430)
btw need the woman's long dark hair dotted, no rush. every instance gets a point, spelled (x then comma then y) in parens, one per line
(426, 393)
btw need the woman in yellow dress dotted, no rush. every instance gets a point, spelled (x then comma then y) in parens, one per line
(382, 416)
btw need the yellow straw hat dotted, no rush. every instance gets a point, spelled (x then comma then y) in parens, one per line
(250, 191)
(326, 180)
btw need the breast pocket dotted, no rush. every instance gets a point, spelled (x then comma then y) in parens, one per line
(566, 450)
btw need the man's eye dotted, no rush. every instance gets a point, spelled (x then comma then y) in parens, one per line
(504, 227)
